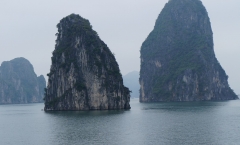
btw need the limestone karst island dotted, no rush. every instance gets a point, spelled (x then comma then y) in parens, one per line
(177, 58)
(19, 84)
(84, 74)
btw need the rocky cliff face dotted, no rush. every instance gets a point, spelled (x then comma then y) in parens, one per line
(177, 58)
(19, 83)
(84, 74)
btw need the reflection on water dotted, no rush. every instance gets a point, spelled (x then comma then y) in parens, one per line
(146, 123)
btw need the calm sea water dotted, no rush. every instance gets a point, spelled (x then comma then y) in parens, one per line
(207, 123)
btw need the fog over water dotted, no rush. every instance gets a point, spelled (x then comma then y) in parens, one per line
(28, 28)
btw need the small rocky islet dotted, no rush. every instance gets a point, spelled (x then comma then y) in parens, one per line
(19, 84)
(178, 62)
(84, 74)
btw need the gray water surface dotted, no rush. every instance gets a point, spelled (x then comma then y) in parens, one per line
(190, 123)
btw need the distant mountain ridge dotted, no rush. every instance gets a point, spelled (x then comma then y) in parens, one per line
(130, 80)
(19, 83)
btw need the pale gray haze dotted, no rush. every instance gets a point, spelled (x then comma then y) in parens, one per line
(28, 28)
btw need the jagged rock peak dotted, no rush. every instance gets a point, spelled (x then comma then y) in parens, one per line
(19, 83)
(84, 74)
(177, 58)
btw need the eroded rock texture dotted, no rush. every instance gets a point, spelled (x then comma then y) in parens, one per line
(177, 58)
(84, 74)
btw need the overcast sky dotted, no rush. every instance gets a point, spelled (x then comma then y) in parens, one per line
(28, 28)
